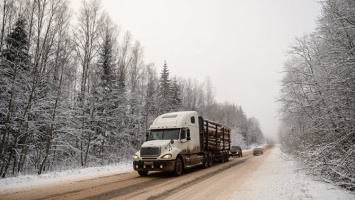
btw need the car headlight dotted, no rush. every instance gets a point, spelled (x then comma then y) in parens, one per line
(135, 157)
(167, 156)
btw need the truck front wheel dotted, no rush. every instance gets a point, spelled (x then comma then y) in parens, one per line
(143, 173)
(178, 166)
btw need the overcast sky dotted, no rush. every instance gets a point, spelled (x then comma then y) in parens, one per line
(239, 44)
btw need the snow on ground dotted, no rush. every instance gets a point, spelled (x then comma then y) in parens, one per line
(278, 178)
(27, 182)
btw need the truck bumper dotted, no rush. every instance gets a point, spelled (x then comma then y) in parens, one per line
(154, 165)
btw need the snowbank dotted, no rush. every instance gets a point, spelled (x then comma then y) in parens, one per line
(27, 182)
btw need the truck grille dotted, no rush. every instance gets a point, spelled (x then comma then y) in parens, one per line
(150, 151)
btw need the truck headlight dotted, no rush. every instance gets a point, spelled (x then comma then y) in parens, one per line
(135, 157)
(167, 156)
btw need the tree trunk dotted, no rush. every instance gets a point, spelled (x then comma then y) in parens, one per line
(3, 25)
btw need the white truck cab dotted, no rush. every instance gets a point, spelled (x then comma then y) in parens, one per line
(173, 142)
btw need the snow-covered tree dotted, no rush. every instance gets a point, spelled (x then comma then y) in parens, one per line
(317, 95)
(135, 109)
(254, 133)
(104, 103)
(189, 95)
(86, 39)
(175, 100)
(151, 97)
(48, 98)
(164, 90)
(15, 78)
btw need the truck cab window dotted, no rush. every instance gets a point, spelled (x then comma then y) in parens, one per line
(171, 134)
(155, 135)
(192, 119)
(164, 134)
(183, 134)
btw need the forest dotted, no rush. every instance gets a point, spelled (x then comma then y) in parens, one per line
(317, 98)
(76, 92)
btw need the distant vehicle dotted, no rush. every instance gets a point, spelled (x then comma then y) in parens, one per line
(258, 151)
(236, 151)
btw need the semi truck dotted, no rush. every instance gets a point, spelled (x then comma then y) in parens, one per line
(180, 140)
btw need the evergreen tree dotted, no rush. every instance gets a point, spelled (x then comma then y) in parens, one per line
(176, 100)
(14, 77)
(15, 54)
(103, 103)
(164, 90)
(120, 101)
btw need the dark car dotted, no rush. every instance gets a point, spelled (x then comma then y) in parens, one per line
(236, 151)
(258, 151)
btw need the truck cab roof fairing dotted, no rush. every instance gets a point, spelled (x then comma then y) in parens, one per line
(175, 120)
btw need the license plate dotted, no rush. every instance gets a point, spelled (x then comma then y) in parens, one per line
(148, 163)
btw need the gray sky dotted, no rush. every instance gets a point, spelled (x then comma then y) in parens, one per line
(239, 44)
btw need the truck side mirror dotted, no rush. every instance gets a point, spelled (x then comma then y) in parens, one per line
(146, 135)
(188, 134)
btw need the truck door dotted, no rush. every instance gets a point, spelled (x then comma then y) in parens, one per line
(184, 142)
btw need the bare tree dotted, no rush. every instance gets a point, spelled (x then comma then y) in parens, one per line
(62, 54)
(86, 41)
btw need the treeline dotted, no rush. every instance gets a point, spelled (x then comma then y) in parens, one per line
(75, 92)
(318, 96)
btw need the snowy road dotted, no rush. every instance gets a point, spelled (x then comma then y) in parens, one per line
(269, 176)
(219, 181)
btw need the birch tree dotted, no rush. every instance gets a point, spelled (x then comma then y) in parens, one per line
(86, 41)
(62, 52)
(135, 117)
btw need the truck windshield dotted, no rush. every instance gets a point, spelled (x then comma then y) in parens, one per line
(164, 134)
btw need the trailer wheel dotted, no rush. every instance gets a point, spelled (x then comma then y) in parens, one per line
(178, 166)
(210, 160)
(143, 173)
(205, 161)
(227, 157)
(222, 158)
